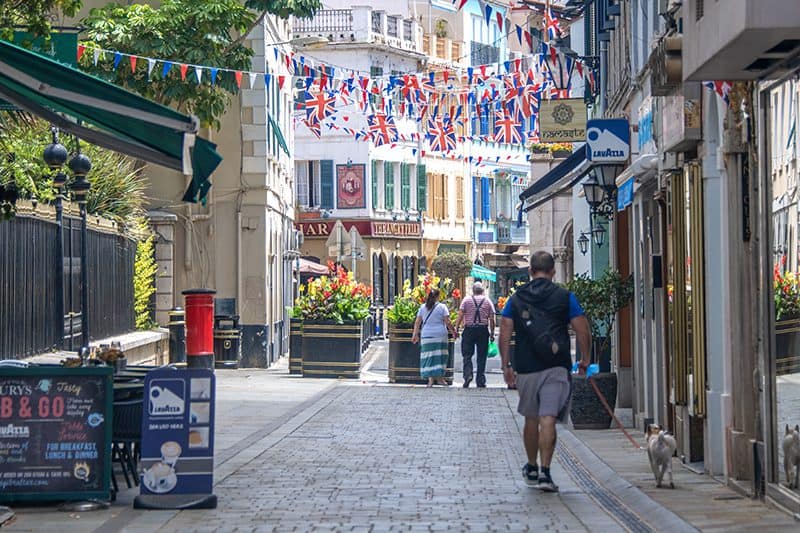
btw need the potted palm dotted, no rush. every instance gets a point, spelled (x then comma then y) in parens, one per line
(404, 354)
(333, 309)
(601, 299)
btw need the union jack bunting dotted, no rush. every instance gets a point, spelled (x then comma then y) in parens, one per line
(313, 127)
(382, 129)
(442, 135)
(722, 88)
(529, 99)
(319, 106)
(507, 129)
(551, 25)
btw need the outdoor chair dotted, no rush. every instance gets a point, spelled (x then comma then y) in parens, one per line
(126, 438)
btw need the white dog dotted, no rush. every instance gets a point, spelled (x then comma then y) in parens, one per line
(660, 449)
(791, 456)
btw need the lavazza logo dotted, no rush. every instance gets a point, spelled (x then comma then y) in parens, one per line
(12, 431)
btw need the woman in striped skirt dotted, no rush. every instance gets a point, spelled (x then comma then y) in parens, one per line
(430, 330)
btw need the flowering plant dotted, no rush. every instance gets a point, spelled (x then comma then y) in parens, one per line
(335, 297)
(561, 146)
(786, 286)
(503, 300)
(406, 306)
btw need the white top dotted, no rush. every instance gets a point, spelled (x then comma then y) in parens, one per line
(433, 325)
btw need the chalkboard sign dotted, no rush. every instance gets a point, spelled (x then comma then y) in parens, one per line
(55, 433)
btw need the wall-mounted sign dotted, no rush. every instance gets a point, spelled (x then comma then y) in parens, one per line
(485, 236)
(608, 140)
(562, 120)
(681, 123)
(452, 249)
(177, 435)
(396, 229)
(324, 229)
(646, 138)
(350, 180)
(55, 433)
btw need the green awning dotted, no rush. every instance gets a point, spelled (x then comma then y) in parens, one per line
(276, 131)
(121, 120)
(479, 272)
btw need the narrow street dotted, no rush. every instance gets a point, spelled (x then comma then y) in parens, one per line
(299, 454)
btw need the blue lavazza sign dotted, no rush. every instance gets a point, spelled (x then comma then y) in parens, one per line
(177, 437)
(608, 140)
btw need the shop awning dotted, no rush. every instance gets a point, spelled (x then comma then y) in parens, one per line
(107, 115)
(479, 272)
(309, 267)
(564, 175)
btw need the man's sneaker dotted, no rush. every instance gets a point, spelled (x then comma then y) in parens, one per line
(546, 484)
(530, 474)
(466, 383)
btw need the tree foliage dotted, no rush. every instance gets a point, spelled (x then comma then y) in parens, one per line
(452, 265)
(144, 281)
(601, 300)
(33, 16)
(197, 32)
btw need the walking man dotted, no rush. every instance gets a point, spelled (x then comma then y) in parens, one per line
(539, 313)
(477, 315)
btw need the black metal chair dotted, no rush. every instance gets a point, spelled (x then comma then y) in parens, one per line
(126, 438)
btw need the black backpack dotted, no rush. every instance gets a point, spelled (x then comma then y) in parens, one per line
(540, 328)
(543, 321)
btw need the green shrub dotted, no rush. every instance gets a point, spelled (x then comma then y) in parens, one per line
(144, 282)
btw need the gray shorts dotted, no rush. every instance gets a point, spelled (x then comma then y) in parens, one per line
(545, 393)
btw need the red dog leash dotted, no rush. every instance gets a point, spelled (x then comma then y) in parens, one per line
(611, 412)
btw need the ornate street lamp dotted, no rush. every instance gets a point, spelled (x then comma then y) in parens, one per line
(583, 243)
(601, 189)
(594, 193)
(599, 234)
(55, 155)
(80, 165)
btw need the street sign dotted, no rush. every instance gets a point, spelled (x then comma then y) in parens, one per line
(338, 240)
(356, 247)
(608, 140)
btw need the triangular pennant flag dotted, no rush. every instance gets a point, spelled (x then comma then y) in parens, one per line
(81, 50)
(252, 77)
(275, 51)
(184, 70)
(483, 71)
(267, 79)
(214, 71)
(517, 64)
(117, 59)
(133, 63)
(446, 75)
(238, 76)
(470, 71)
(507, 64)
(488, 12)
(151, 64)
(198, 71)
(519, 34)
(96, 55)
(462, 3)
(529, 39)
(499, 20)
(281, 81)
(165, 68)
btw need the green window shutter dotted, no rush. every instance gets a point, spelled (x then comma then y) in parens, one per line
(422, 189)
(405, 186)
(388, 178)
(326, 183)
(374, 184)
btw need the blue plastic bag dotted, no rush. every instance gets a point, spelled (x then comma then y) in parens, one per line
(591, 371)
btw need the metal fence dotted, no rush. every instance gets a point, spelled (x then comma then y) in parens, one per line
(31, 320)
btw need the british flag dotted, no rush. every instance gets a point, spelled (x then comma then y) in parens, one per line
(382, 129)
(314, 127)
(529, 99)
(551, 25)
(441, 134)
(507, 129)
(319, 106)
(722, 88)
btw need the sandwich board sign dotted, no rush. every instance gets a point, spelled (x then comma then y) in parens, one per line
(177, 440)
(608, 140)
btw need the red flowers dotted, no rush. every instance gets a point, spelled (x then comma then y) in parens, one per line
(456, 294)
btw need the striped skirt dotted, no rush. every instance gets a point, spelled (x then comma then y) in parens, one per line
(433, 357)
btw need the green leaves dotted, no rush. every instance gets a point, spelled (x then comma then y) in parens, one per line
(34, 16)
(286, 8)
(144, 282)
(454, 266)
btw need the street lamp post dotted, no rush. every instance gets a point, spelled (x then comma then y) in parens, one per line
(80, 165)
(55, 155)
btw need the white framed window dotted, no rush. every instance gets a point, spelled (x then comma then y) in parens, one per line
(307, 183)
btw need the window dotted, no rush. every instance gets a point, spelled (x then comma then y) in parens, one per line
(476, 198)
(459, 197)
(405, 187)
(388, 179)
(486, 199)
(376, 99)
(422, 188)
(443, 211)
(374, 182)
(326, 183)
(301, 183)
(307, 183)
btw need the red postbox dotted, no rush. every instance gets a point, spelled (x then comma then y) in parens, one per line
(199, 328)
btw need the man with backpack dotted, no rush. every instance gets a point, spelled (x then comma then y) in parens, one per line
(539, 314)
(477, 315)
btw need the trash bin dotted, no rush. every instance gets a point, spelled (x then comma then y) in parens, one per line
(227, 336)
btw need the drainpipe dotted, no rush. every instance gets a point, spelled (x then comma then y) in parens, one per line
(603, 77)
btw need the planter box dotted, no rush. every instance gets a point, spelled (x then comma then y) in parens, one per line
(561, 154)
(404, 357)
(587, 412)
(331, 350)
(787, 346)
(296, 346)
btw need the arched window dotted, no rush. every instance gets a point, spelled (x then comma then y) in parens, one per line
(377, 278)
(391, 278)
(423, 266)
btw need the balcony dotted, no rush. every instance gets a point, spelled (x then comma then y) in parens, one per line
(739, 39)
(483, 54)
(361, 24)
(509, 233)
(443, 50)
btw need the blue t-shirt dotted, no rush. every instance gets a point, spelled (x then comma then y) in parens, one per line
(575, 309)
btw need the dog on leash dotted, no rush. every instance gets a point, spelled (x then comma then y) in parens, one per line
(660, 449)
(791, 456)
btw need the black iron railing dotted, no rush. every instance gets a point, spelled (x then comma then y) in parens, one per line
(30, 319)
(483, 54)
(325, 20)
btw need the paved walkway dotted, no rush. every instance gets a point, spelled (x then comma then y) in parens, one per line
(300, 454)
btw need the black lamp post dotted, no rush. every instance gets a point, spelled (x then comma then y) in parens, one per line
(55, 155)
(599, 234)
(80, 165)
(583, 243)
